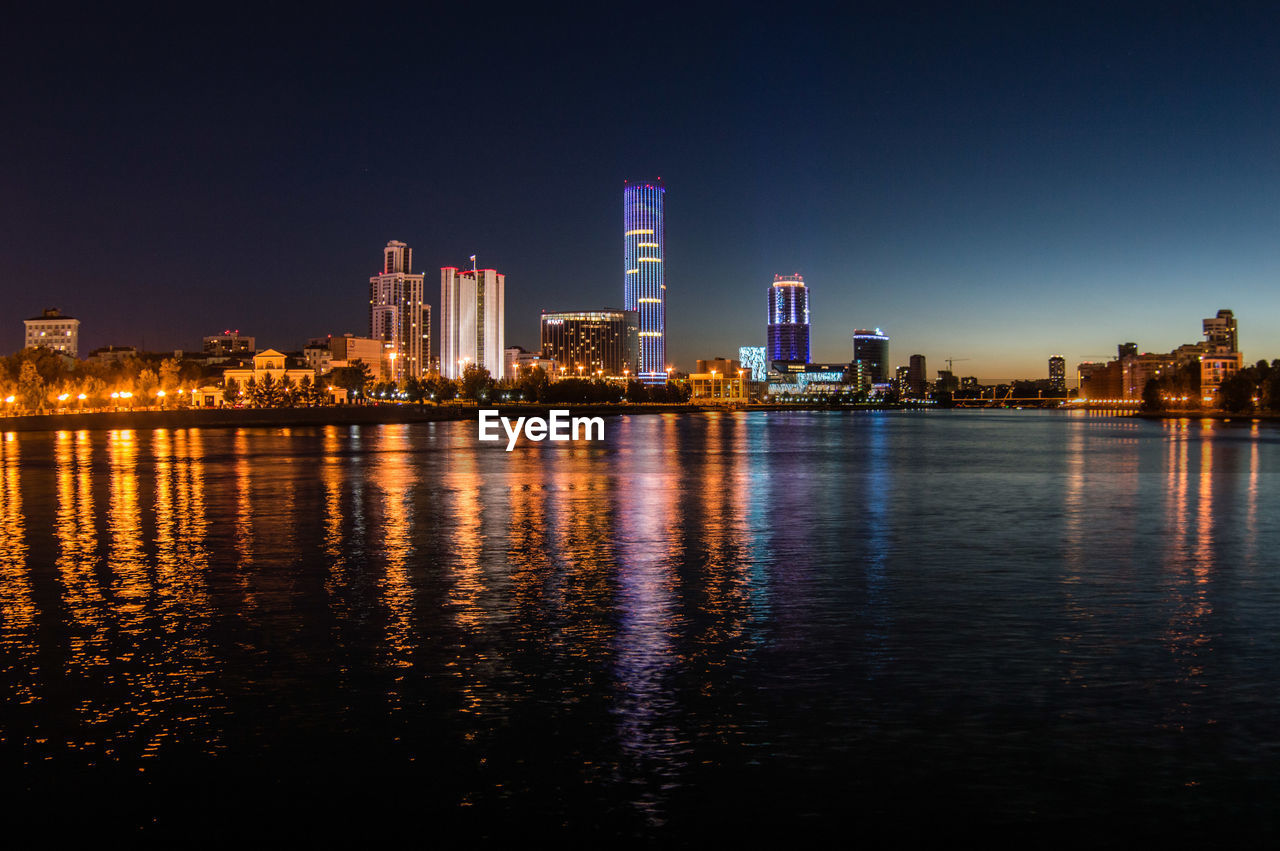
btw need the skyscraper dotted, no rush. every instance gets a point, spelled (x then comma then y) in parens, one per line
(871, 357)
(1058, 373)
(472, 316)
(396, 313)
(645, 280)
(917, 377)
(788, 319)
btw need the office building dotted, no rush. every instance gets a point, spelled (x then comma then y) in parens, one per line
(1058, 373)
(349, 350)
(588, 342)
(917, 377)
(788, 338)
(870, 357)
(645, 280)
(396, 313)
(52, 330)
(472, 320)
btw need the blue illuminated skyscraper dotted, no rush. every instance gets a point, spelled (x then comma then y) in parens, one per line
(788, 319)
(645, 287)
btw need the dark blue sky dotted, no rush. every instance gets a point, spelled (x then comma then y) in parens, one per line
(994, 183)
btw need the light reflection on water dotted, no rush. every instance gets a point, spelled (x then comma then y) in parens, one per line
(1026, 612)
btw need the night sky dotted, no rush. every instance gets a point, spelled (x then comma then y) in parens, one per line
(997, 184)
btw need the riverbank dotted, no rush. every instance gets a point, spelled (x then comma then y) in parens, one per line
(1218, 416)
(347, 415)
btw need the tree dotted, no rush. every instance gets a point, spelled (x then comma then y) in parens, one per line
(476, 383)
(31, 387)
(268, 393)
(355, 379)
(304, 394)
(231, 391)
(446, 390)
(1237, 392)
(287, 394)
(1151, 398)
(147, 381)
(168, 374)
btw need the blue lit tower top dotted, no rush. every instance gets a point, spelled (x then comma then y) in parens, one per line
(788, 319)
(645, 287)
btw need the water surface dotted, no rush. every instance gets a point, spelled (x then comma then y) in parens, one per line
(706, 624)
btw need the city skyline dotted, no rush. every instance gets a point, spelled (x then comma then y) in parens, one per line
(1029, 202)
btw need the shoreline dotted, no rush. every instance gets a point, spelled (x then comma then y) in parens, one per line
(347, 415)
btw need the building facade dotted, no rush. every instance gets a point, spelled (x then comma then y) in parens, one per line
(52, 330)
(754, 360)
(870, 357)
(591, 341)
(788, 338)
(396, 313)
(472, 317)
(645, 279)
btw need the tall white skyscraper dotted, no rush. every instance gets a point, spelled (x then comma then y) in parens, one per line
(472, 316)
(396, 314)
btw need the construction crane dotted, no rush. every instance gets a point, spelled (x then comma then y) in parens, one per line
(956, 360)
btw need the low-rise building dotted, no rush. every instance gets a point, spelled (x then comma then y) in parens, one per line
(347, 350)
(269, 362)
(52, 330)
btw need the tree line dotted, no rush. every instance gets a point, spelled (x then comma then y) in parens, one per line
(39, 380)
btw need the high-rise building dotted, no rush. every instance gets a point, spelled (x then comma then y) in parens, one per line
(917, 377)
(870, 357)
(1126, 350)
(788, 319)
(52, 330)
(472, 317)
(396, 313)
(589, 341)
(1058, 373)
(1220, 332)
(645, 280)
